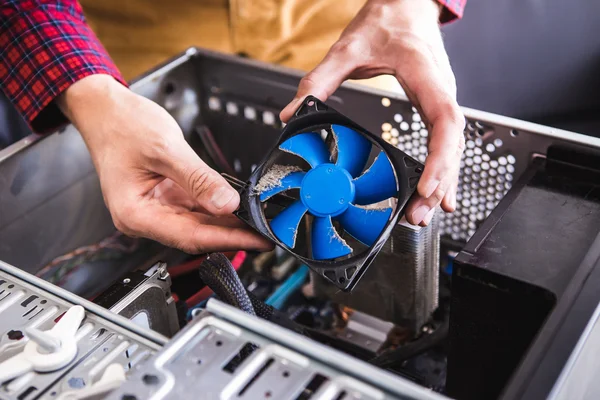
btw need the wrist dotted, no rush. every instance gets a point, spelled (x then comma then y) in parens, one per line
(94, 95)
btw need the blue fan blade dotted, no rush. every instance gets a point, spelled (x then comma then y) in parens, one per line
(309, 146)
(326, 242)
(290, 181)
(285, 224)
(377, 183)
(353, 149)
(365, 224)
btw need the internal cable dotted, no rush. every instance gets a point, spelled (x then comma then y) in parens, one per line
(218, 273)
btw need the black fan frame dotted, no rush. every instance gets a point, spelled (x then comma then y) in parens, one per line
(313, 114)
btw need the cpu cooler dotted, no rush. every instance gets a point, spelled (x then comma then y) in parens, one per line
(316, 173)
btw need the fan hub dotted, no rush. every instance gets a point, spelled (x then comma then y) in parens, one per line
(327, 190)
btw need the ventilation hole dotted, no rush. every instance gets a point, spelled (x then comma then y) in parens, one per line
(128, 397)
(404, 126)
(250, 113)
(149, 379)
(232, 108)
(386, 102)
(214, 103)
(386, 127)
(27, 392)
(416, 126)
(395, 132)
(169, 88)
(76, 383)
(514, 133)
(245, 352)
(265, 366)
(15, 335)
(28, 300)
(237, 165)
(498, 142)
(11, 286)
(98, 333)
(386, 136)
(398, 118)
(268, 118)
(490, 148)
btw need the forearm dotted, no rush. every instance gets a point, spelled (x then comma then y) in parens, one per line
(47, 47)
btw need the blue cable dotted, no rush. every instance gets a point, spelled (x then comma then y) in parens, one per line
(449, 265)
(288, 287)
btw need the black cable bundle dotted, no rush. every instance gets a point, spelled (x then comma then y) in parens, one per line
(219, 275)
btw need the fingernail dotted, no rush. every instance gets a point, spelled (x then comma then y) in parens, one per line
(429, 216)
(419, 214)
(430, 188)
(222, 196)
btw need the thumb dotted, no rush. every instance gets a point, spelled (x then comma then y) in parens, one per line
(322, 81)
(206, 186)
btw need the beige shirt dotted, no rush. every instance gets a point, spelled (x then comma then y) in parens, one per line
(140, 34)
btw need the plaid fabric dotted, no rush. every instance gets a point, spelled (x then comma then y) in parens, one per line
(453, 9)
(46, 46)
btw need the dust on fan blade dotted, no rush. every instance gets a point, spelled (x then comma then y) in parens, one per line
(331, 191)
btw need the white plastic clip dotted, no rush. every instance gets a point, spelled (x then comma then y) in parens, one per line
(46, 351)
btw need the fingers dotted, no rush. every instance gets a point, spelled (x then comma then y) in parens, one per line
(433, 95)
(208, 188)
(322, 81)
(191, 232)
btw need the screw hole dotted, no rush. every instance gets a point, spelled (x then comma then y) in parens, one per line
(514, 133)
(268, 395)
(169, 88)
(43, 302)
(198, 362)
(11, 286)
(286, 374)
(150, 379)
(126, 281)
(310, 104)
(219, 343)
(341, 279)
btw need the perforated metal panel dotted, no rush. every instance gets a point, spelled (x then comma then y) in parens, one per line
(487, 166)
(486, 174)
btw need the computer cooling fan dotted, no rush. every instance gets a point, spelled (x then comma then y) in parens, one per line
(347, 185)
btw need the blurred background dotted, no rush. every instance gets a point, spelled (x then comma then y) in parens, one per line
(529, 59)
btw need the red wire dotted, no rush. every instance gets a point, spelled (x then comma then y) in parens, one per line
(192, 265)
(206, 292)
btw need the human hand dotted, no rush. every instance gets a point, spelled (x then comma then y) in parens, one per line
(402, 38)
(153, 183)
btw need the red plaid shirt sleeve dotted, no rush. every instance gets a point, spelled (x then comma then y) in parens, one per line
(453, 9)
(46, 46)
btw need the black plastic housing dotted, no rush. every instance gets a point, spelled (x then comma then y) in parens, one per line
(312, 114)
